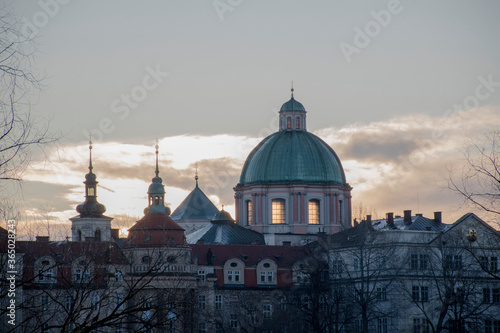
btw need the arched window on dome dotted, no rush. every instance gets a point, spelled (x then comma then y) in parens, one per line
(90, 191)
(288, 122)
(249, 214)
(278, 211)
(297, 123)
(157, 200)
(97, 235)
(314, 211)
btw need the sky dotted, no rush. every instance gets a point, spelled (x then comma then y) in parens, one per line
(397, 88)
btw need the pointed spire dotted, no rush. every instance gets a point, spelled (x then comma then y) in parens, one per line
(90, 150)
(90, 208)
(157, 170)
(292, 89)
(196, 173)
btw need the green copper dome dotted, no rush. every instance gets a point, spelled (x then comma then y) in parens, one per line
(292, 157)
(292, 105)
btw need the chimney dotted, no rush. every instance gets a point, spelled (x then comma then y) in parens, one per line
(42, 238)
(369, 218)
(115, 233)
(407, 217)
(437, 217)
(390, 220)
(418, 214)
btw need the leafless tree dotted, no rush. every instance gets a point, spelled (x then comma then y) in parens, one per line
(21, 131)
(478, 181)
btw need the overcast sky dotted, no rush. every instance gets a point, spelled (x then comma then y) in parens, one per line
(394, 87)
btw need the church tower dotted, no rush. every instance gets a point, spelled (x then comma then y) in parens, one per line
(91, 224)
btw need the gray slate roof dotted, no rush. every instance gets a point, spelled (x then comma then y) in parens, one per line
(223, 230)
(196, 206)
(417, 223)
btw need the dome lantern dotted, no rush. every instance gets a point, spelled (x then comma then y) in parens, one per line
(292, 115)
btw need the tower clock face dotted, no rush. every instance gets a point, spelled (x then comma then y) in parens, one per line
(472, 235)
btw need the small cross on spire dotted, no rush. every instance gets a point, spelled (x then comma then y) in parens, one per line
(156, 146)
(196, 173)
(292, 89)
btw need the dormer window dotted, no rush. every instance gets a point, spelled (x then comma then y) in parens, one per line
(233, 272)
(266, 272)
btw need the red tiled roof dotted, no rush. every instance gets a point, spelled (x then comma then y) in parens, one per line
(155, 221)
(284, 256)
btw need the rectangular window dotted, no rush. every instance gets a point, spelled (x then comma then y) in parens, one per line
(218, 302)
(45, 302)
(453, 262)
(229, 276)
(382, 325)
(249, 212)
(203, 275)
(357, 265)
(95, 302)
(337, 266)
(414, 261)
(493, 264)
(78, 274)
(283, 304)
(270, 277)
(119, 301)
(483, 261)
(278, 211)
(420, 293)
(492, 326)
(486, 295)
(263, 277)
(233, 320)
(421, 325)
(267, 311)
(202, 301)
(202, 328)
(380, 262)
(70, 302)
(424, 294)
(119, 275)
(423, 261)
(381, 294)
(313, 212)
(495, 295)
(236, 276)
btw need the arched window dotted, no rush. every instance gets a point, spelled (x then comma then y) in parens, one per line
(266, 272)
(278, 211)
(97, 235)
(297, 123)
(288, 122)
(314, 211)
(157, 200)
(79, 235)
(249, 212)
(234, 272)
